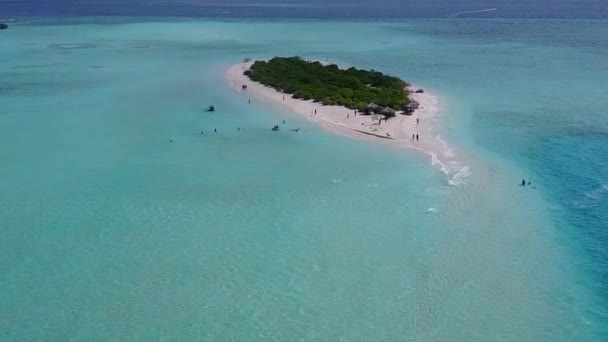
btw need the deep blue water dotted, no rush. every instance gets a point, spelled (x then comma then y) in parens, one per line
(549, 112)
(557, 128)
(360, 9)
(574, 168)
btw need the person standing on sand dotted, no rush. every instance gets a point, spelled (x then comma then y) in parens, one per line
(417, 121)
(315, 112)
(417, 137)
(283, 97)
(347, 116)
(413, 136)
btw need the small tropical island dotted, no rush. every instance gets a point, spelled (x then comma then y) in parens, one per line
(362, 90)
(357, 103)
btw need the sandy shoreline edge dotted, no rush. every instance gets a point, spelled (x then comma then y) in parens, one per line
(343, 121)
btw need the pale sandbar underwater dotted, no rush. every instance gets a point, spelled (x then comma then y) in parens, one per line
(110, 232)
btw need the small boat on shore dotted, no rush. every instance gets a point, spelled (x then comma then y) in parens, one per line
(275, 128)
(211, 109)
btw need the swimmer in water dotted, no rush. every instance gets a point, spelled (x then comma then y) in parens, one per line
(523, 182)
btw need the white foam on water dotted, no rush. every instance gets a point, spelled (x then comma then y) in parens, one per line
(449, 166)
(597, 193)
(436, 162)
(460, 176)
(592, 197)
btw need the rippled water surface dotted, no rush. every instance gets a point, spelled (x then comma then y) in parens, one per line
(112, 232)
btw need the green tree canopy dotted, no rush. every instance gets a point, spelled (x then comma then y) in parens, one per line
(352, 88)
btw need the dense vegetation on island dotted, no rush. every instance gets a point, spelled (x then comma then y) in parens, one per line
(330, 85)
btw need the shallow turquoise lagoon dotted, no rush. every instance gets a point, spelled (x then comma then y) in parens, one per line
(112, 232)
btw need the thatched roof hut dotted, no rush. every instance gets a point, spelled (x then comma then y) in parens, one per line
(371, 108)
(411, 107)
(388, 112)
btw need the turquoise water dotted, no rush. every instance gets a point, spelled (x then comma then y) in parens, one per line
(111, 232)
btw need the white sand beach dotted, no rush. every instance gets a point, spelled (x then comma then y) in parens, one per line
(397, 131)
